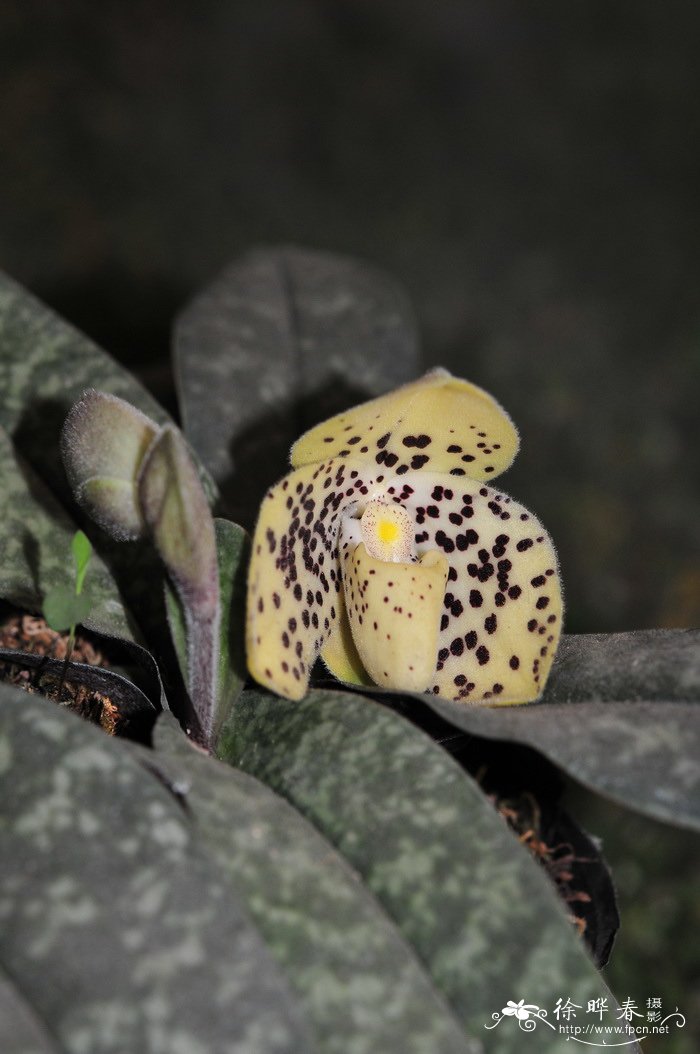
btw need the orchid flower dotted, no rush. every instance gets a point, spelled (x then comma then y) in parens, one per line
(385, 552)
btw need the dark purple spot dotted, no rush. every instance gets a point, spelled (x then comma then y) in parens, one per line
(444, 542)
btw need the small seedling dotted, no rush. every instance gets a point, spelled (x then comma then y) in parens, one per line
(66, 605)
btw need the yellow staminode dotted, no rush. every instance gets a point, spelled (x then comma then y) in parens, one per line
(388, 532)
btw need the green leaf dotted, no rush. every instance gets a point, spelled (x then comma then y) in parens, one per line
(612, 717)
(119, 932)
(359, 986)
(21, 1029)
(283, 339)
(82, 553)
(63, 609)
(232, 550)
(45, 365)
(620, 713)
(481, 914)
(645, 665)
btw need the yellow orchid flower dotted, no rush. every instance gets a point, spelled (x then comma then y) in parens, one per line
(385, 552)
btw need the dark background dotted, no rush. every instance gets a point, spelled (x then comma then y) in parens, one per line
(529, 171)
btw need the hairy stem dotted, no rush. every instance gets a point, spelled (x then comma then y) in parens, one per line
(202, 626)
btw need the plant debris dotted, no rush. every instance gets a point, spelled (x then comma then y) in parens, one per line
(524, 816)
(30, 633)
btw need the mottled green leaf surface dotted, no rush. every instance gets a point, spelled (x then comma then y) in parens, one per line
(232, 549)
(612, 717)
(359, 985)
(45, 365)
(479, 911)
(645, 665)
(117, 931)
(283, 339)
(21, 1029)
(643, 755)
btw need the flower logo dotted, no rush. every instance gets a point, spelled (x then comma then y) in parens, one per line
(386, 552)
(519, 1009)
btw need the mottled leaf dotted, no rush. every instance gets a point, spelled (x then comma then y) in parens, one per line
(481, 914)
(45, 365)
(232, 548)
(621, 714)
(21, 1029)
(117, 930)
(284, 338)
(528, 790)
(644, 665)
(360, 987)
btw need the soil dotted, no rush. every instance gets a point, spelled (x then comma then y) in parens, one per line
(30, 633)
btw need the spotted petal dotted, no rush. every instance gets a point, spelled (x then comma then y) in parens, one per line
(437, 424)
(294, 582)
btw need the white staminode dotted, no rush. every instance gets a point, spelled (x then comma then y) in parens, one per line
(388, 532)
